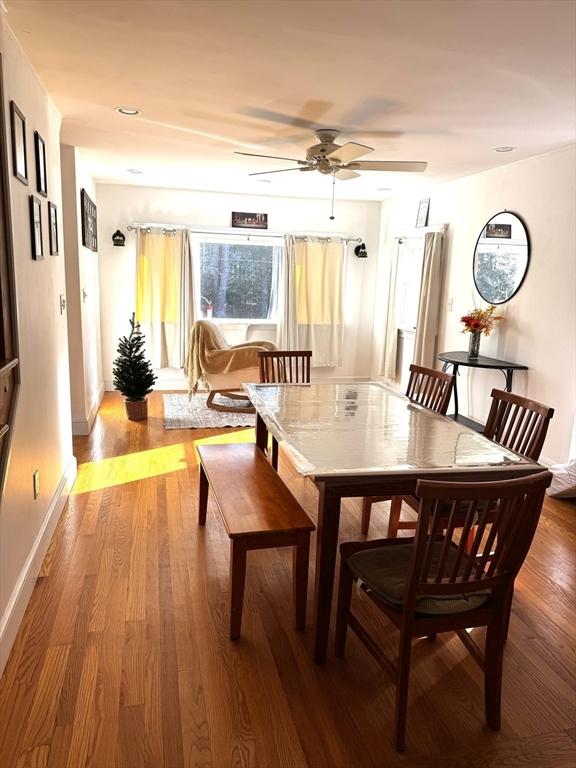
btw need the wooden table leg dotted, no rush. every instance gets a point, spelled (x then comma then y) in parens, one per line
(202, 497)
(261, 433)
(326, 545)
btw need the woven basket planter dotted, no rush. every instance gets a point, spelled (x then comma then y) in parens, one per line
(136, 409)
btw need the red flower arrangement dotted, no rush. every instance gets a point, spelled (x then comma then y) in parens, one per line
(481, 320)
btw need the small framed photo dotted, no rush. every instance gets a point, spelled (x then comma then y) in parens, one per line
(423, 208)
(19, 155)
(53, 228)
(501, 231)
(36, 228)
(250, 220)
(89, 222)
(40, 151)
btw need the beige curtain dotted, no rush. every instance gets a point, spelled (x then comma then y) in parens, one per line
(164, 295)
(389, 351)
(311, 298)
(429, 303)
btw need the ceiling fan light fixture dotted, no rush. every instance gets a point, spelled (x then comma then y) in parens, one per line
(504, 149)
(128, 111)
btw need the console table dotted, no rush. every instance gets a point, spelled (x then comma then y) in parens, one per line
(456, 359)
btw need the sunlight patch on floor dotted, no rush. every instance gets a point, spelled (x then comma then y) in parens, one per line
(105, 473)
(117, 470)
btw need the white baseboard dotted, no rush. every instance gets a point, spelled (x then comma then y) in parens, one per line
(84, 426)
(10, 621)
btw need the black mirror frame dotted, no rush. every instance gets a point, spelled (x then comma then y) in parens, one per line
(528, 245)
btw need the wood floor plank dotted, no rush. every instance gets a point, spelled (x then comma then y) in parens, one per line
(123, 657)
(548, 751)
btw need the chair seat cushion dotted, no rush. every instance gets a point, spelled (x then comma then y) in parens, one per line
(384, 570)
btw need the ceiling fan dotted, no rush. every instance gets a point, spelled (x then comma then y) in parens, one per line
(340, 160)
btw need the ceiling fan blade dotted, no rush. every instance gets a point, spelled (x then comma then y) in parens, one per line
(278, 117)
(272, 157)
(281, 170)
(345, 173)
(388, 165)
(349, 151)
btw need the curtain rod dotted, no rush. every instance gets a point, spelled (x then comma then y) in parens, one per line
(135, 226)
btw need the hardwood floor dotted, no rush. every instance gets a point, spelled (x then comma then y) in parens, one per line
(123, 658)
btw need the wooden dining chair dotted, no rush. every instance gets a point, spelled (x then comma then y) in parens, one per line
(429, 388)
(435, 583)
(514, 422)
(280, 366)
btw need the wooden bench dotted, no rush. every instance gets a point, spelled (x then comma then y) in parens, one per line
(258, 512)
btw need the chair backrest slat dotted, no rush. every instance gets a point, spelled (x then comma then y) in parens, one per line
(518, 423)
(503, 513)
(429, 388)
(279, 366)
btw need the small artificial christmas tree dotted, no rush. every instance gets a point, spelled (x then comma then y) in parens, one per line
(133, 374)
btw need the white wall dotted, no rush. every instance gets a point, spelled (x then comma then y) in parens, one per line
(42, 436)
(118, 205)
(539, 329)
(83, 295)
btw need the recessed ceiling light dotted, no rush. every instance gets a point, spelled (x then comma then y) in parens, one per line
(504, 149)
(134, 170)
(128, 111)
(385, 189)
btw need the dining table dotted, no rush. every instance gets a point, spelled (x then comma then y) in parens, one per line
(355, 439)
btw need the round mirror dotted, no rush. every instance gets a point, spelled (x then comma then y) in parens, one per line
(501, 258)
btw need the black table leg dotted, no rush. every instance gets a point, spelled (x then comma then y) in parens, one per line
(455, 372)
(326, 546)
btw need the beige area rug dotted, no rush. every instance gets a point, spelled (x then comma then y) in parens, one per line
(180, 412)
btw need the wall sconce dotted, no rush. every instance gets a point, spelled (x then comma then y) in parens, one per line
(360, 251)
(118, 238)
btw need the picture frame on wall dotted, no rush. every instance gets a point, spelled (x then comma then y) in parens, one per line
(19, 153)
(499, 231)
(422, 217)
(36, 228)
(40, 152)
(89, 221)
(53, 228)
(250, 220)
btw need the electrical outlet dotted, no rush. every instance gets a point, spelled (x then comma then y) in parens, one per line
(62, 303)
(36, 481)
(450, 305)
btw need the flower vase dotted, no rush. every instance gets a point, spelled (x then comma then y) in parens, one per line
(474, 345)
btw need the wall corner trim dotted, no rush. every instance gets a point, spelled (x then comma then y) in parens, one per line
(84, 426)
(12, 618)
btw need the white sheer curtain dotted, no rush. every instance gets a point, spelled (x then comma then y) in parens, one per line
(429, 301)
(165, 302)
(311, 297)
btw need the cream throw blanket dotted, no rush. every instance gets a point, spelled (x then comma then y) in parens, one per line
(208, 352)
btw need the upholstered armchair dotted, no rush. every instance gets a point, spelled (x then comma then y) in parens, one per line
(221, 367)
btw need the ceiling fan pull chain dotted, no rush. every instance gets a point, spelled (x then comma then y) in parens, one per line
(333, 191)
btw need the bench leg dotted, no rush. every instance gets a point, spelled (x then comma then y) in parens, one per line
(275, 453)
(237, 579)
(300, 578)
(366, 512)
(394, 519)
(202, 497)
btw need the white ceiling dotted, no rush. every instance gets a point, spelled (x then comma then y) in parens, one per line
(445, 81)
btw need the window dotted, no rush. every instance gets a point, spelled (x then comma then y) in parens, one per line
(408, 279)
(238, 280)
